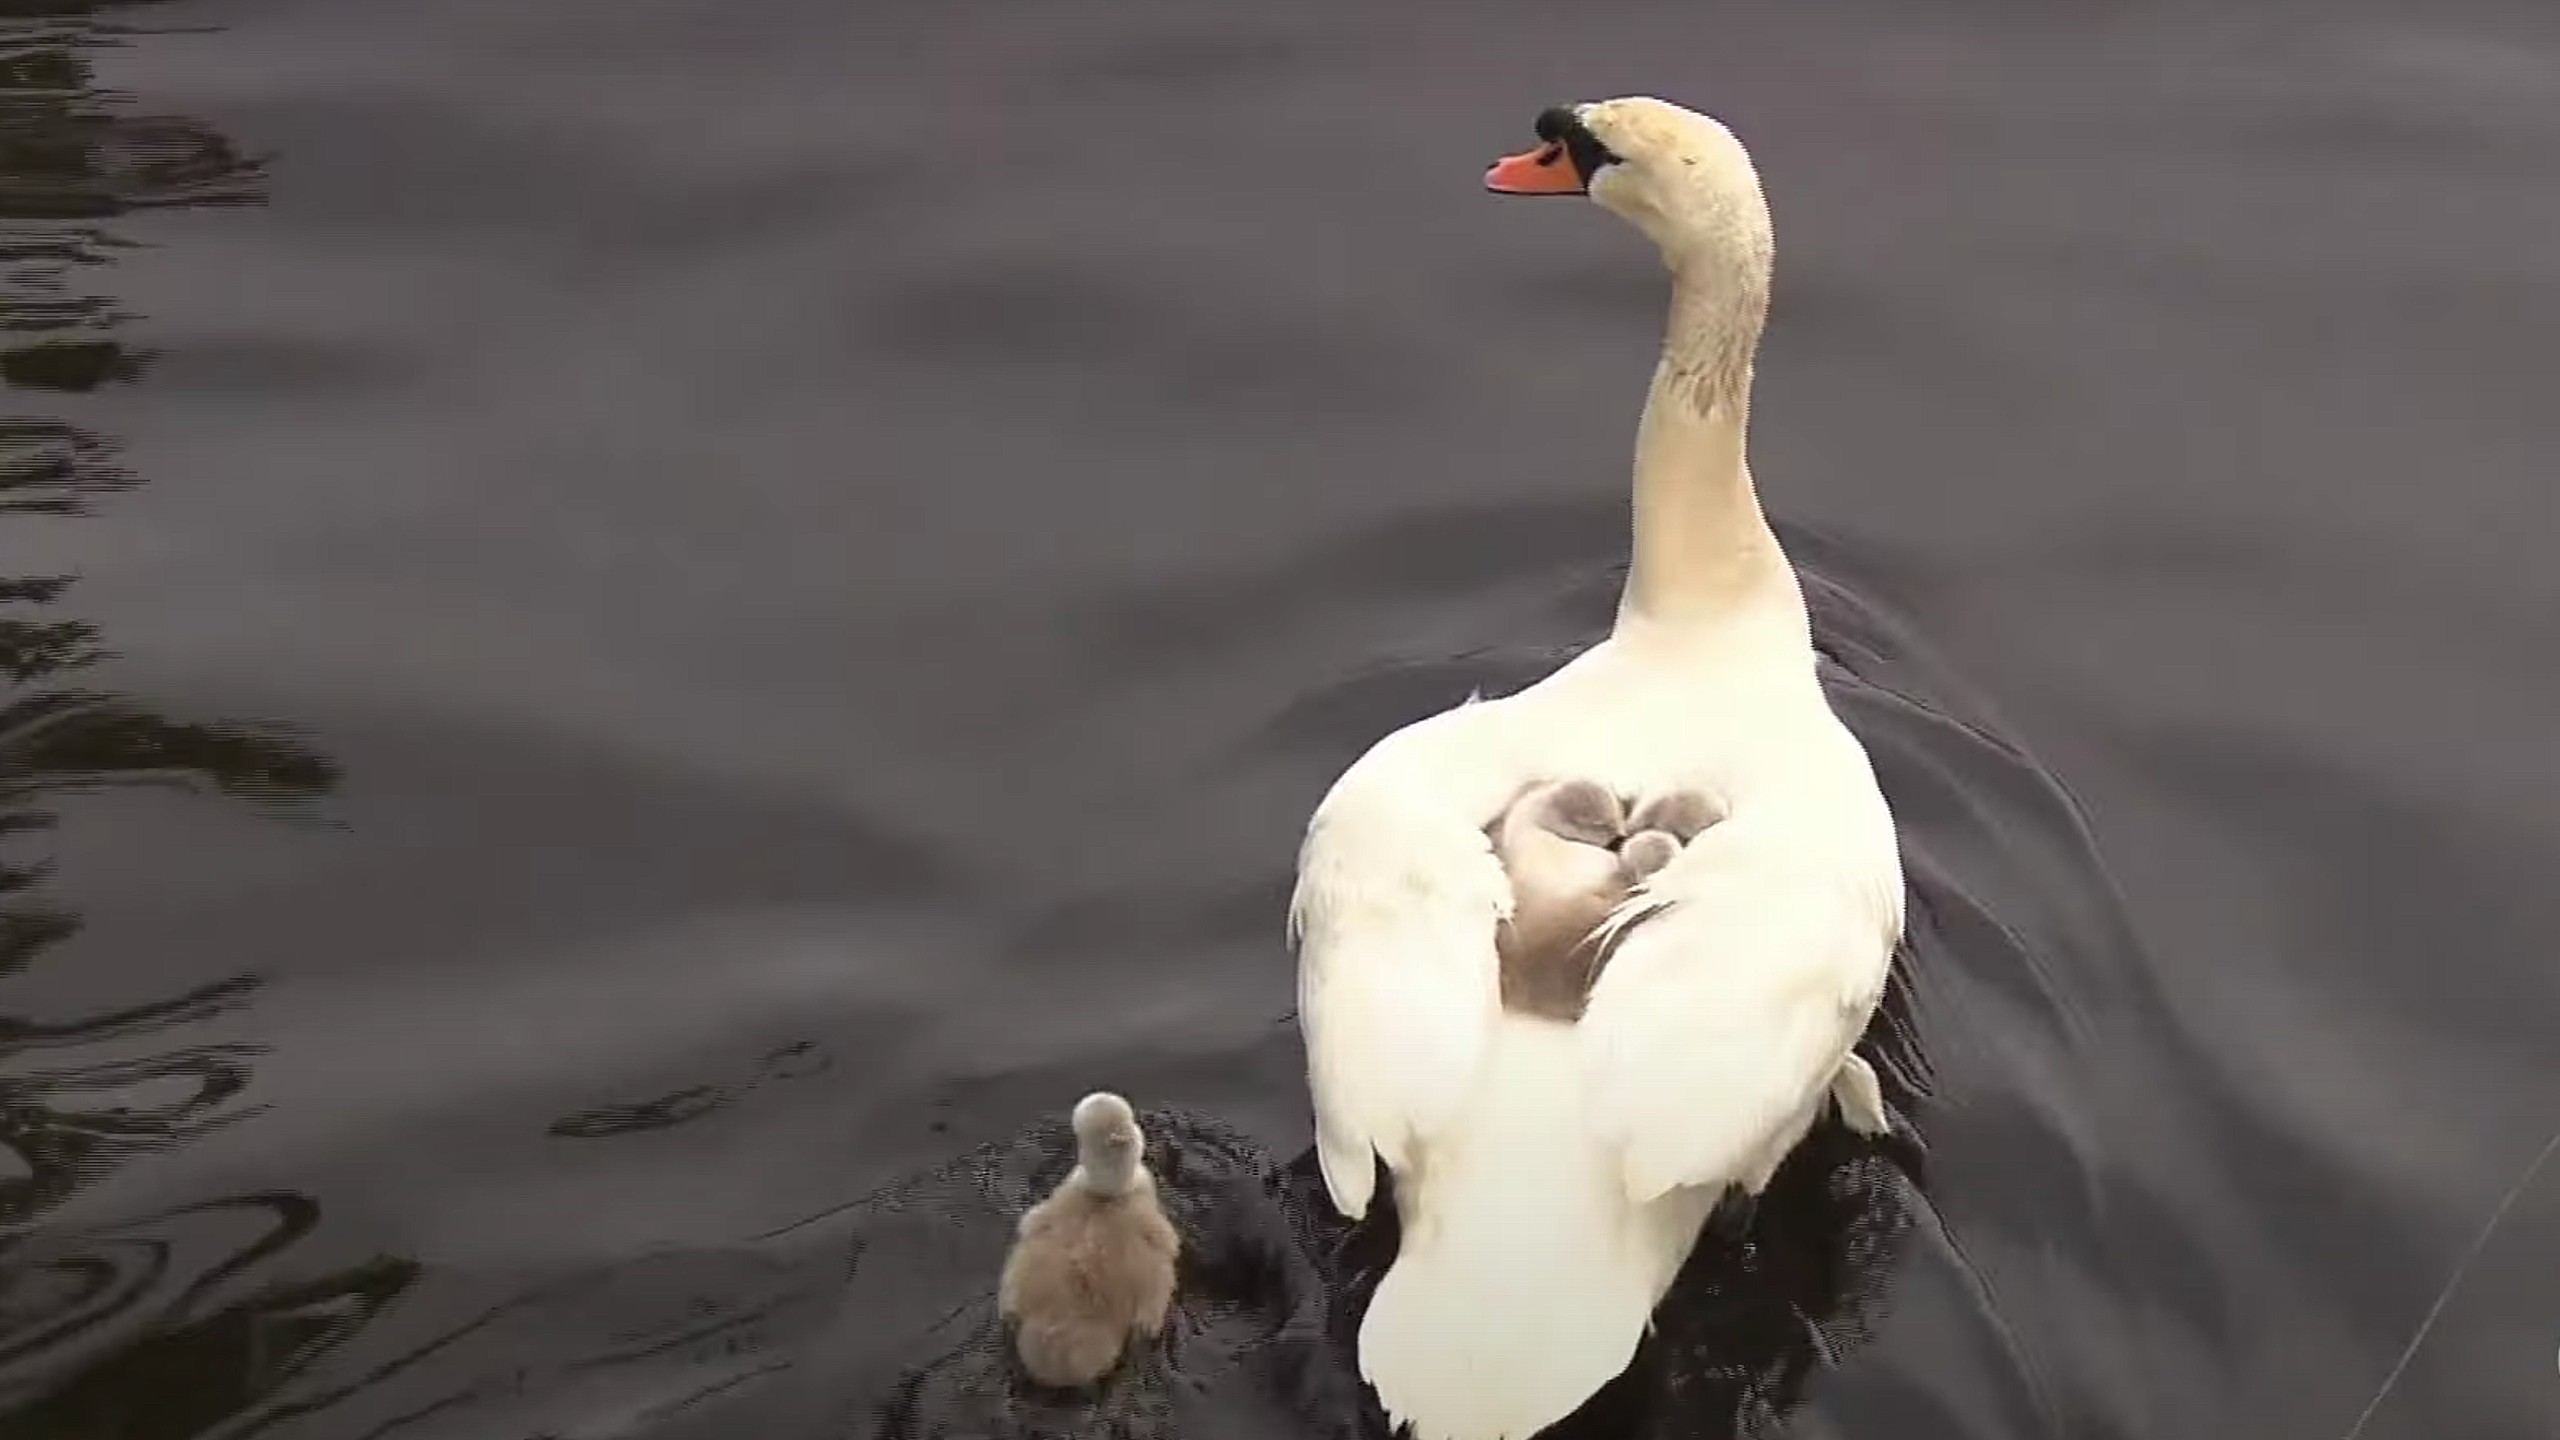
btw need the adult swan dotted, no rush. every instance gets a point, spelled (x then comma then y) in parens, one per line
(1552, 1175)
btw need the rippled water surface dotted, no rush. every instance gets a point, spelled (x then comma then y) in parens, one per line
(642, 637)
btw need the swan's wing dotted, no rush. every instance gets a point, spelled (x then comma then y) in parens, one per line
(1398, 899)
(1744, 972)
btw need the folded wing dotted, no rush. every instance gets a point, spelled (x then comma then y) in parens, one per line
(1744, 972)
(1398, 899)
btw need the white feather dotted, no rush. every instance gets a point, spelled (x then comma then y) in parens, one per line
(1518, 1239)
(1397, 900)
(1725, 1014)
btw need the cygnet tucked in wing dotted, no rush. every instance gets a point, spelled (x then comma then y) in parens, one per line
(1572, 852)
(1558, 843)
(1660, 827)
(1092, 1267)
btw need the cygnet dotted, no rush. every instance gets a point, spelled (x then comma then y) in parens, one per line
(1572, 852)
(1092, 1267)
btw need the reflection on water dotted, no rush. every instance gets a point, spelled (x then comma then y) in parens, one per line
(69, 1121)
(128, 1330)
(135, 1331)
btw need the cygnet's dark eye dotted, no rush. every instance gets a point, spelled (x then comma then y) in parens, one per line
(1560, 125)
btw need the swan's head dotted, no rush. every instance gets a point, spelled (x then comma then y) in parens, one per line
(1678, 176)
(1108, 1144)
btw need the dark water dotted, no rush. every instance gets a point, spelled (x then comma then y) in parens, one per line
(685, 612)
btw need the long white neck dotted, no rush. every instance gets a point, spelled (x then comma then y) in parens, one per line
(1703, 553)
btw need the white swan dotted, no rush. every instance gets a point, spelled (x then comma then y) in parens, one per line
(1551, 1177)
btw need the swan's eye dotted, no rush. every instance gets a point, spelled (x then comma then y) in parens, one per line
(1564, 131)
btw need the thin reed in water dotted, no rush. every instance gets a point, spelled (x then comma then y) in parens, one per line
(2479, 1243)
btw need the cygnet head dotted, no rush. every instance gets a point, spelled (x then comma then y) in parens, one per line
(1582, 811)
(1645, 852)
(1109, 1145)
(1678, 176)
(1685, 813)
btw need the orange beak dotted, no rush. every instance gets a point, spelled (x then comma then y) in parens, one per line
(1543, 171)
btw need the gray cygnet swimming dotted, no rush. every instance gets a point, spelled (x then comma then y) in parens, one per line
(1092, 1267)
(1573, 852)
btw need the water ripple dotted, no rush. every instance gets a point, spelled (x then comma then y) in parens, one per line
(100, 1319)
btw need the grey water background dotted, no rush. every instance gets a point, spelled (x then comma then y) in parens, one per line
(753, 596)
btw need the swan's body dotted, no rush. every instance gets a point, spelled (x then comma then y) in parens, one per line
(1551, 1177)
(1092, 1266)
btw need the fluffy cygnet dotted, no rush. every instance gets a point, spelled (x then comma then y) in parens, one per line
(1660, 827)
(1572, 852)
(1092, 1267)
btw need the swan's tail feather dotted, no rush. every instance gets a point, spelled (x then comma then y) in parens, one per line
(1462, 1360)
(1861, 1098)
(1521, 1285)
